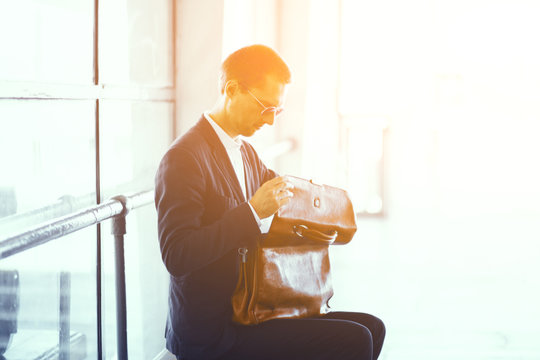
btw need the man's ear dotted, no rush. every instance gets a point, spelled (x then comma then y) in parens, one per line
(231, 88)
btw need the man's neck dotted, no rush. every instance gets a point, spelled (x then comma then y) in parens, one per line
(220, 117)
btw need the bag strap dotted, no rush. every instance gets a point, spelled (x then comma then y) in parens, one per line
(314, 235)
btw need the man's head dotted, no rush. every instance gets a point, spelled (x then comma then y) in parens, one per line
(253, 83)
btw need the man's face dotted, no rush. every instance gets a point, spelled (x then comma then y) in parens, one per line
(249, 104)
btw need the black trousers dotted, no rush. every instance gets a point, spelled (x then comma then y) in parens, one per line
(334, 336)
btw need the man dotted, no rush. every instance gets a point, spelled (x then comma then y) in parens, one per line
(213, 196)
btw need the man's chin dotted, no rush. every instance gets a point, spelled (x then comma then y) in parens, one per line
(249, 132)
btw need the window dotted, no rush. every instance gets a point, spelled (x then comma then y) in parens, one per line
(85, 113)
(363, 115)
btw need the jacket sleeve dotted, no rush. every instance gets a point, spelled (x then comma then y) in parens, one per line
(186, 243)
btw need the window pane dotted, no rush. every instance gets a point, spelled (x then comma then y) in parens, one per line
(47, 152)
(47, 40)
(147, 283)
(134, 136)
(33, 280)
(137, 46)
(365, 164)
(461, 94)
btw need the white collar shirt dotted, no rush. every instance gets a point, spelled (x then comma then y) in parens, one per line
(232, 146)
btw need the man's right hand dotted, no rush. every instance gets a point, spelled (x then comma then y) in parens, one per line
(272, 195)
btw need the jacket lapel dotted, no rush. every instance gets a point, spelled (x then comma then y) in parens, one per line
(248, 170)
(221, 157)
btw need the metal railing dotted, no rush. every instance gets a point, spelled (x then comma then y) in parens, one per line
(116, 209)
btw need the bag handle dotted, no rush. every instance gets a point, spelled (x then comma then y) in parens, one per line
(314, 235)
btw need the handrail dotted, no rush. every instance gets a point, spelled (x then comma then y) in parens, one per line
(116, 209)
(65, 205)
(68, 224)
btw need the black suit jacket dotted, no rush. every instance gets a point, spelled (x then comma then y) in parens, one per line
(203, 218)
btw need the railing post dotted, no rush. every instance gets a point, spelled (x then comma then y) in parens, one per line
(64, 333)
(116, 209)
(119, 230)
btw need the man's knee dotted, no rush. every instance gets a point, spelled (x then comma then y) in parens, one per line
(375, 325)
(379, 330)
(357, 342)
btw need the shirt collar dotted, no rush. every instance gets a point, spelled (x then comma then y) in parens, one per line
(228, 142)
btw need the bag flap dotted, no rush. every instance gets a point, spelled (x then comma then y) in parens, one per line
(316, 212)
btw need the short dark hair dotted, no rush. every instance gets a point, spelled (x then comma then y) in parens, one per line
(251, 65)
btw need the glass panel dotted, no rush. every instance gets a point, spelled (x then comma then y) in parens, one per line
(134, 137)
(247, 22)
(461, 94)
(137, 47)
(47, 291)
(47, 40)
(147, 284)
(365, 166)
(47, 152)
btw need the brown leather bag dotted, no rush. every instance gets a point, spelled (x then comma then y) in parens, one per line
(288, 274)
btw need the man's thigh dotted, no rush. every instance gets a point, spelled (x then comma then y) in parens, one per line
(310, 339)
(373, 323)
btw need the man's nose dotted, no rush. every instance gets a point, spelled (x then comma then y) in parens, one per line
(269, 118)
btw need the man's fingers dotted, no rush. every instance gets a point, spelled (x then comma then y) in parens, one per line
(280, 190)
(287, 186)
(284, 201)
(276, 181)
(288, 194)
(283, 185)
(285, 195)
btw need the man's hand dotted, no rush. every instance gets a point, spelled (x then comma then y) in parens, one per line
(272, 195)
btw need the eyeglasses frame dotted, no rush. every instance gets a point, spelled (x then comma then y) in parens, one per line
(266, 109)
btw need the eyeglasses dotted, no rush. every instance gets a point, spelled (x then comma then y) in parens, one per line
(266, 109)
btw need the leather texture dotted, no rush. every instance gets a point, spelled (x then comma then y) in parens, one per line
(322, 209)
(287, 275)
